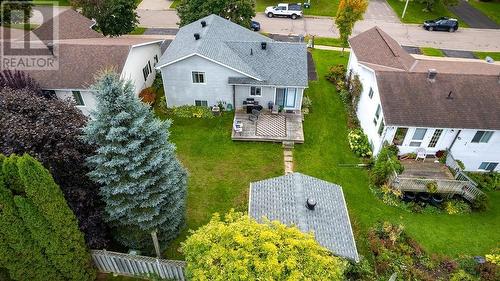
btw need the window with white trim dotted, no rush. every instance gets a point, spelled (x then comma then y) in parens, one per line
(370, 93)
(377, 115)
(77, 97)
(435, 137)
(418, 137)
(198, 77)
(146, 70)
(255, 91)
(381, 127)
(201, 103)
(488, 166)
(482, 136)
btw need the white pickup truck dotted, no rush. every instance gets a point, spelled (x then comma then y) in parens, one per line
(293, 11)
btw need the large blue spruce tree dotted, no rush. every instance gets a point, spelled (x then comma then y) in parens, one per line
(143, 183)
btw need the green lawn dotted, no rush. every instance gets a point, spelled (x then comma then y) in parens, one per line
(482, 55)
(432, 52)
(327, 41)
(326, 147)
(174, 4)
(52, 2)
(28, 26)
(138, 30)
(318, 7)
(415, 13)
(220, 170)
(490, 9)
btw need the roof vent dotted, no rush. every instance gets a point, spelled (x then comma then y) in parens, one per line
(251, 51)
(310, 204)
(263, 45)
(431, 75)
(450, 97)
(196, 36)
(203, 23)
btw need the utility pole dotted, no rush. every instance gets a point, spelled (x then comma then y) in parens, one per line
(404, 10)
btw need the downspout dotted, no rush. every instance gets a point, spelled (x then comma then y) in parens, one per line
(453, 142)
(234, 97)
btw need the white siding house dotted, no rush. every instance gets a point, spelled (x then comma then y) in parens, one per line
(213, 61)
(434, 105)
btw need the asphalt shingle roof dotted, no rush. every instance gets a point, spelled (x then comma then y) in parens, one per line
(239, 48)
(284, 199)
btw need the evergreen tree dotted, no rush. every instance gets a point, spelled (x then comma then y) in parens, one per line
(143, 183)
(39, 235)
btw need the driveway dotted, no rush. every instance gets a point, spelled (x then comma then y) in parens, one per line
(379, 11)
(473, 17)
(155, 5)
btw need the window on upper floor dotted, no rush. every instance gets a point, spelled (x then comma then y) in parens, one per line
(488, 166)
(482, 136)
(77, 97)
(381, 127)
(370, 93)
(198, 77)
(377, 115)
(146, 70)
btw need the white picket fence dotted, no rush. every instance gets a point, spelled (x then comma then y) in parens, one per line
(133, 265)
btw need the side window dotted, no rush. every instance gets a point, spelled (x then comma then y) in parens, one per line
(198, 77)
(370, 93)
(377, 115)
(201, 103)
(482, 137)
(146, 70)
(381, 127)
(77, 97)
(400, 135)
(255, 91)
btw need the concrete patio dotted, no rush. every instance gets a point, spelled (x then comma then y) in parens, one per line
(283, 127)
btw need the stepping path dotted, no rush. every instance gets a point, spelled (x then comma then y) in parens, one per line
(288, 157)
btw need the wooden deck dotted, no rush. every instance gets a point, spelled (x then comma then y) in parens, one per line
(428, 169)
(283, 127)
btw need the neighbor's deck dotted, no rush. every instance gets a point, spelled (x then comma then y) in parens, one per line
(429, 169)
(270, 127)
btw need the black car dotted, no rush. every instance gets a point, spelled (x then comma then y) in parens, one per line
(255, 26)
(443, 24)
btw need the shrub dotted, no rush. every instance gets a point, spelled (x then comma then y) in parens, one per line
(237, 244)
(158, 84)
(358, 142)
(336, 73)
(460, 164)
(148, 96)
(432, 186)
(385, 164)
(480, 203)
(486, 181)
(461, 275)
(16, 80)
(192, 111)
(453, 207)
(355, 88)
(307, 102)
(443, 154)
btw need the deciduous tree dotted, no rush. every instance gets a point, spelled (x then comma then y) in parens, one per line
(40, 235)
(50, 129)
(239, 246)
(348, 13)
(12, 12)
(237, 11)
(143, 183)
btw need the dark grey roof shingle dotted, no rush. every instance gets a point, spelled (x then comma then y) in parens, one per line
(284, 199)
(239, 48)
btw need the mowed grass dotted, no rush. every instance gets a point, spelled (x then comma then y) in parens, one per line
(327, 41)
(415, 13)
(52, 2)
(326, 148)
(138, 30)
(432, 52)
(490, 9)
(220, 170)
(318, 7)
(482, 55)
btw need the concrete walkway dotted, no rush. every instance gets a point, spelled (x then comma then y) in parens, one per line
(155, 5)
(472, 16)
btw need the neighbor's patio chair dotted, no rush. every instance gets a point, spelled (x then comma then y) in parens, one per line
(421, 153)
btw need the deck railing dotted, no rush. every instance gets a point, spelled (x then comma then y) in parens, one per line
(462, 184)
(133, 265)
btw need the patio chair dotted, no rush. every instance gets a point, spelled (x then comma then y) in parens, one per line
(254, 116)
(275, 110)
(238, 127)
(421, 153)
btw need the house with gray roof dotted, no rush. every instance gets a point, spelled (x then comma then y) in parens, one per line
(313, 205)
(426, 105)
(213, 60)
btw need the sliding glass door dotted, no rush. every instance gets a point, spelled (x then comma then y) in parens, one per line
(286, 97)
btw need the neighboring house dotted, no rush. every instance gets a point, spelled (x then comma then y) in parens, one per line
(80, 53)
(313, 205)
(427, 103)
(213, 60)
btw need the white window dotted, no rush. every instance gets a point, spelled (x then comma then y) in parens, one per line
(381, 128)
(377, 115)
(77, 97)
(370, 93)
(488, 166)
(435, 137)
(255, 91)
(198, 77)
(146, 70)
(482, 136)
(418, 136)
(201, 103)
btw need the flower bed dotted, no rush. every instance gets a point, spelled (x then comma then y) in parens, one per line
(358, 142)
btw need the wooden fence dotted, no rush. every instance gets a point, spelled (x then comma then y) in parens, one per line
(133, 265)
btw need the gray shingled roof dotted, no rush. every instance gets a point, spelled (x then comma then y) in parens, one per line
(284, 199)
(234, 46)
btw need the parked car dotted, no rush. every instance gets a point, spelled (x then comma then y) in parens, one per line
(293, 11)
(255, 26)
(442, 23)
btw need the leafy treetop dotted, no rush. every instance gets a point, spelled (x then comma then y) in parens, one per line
(237, 11)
